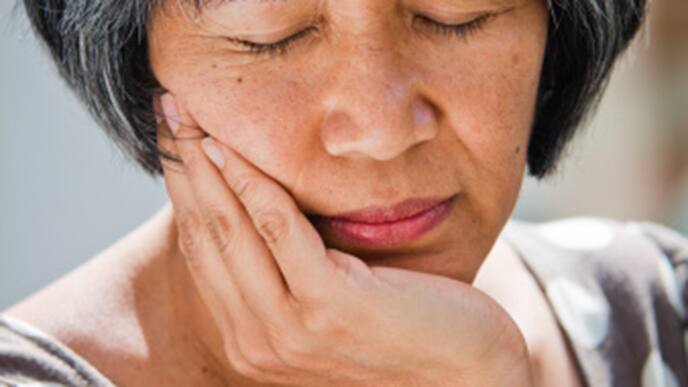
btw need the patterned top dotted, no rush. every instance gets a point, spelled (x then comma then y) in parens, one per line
(619, 291)
(29, 357)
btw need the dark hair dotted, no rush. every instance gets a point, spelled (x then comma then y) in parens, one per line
(100, 48)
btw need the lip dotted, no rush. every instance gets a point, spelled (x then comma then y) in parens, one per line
(380, 214)
(386, 226)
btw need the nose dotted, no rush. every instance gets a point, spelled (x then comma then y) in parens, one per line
(374, 109)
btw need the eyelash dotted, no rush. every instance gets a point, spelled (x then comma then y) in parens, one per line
(461, 30)
(282, 47)
(277, 48)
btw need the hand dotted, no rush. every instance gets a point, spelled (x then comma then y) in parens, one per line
(294, 312)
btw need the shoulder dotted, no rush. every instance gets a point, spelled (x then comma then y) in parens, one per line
(604, 245)
(618, 290)
(640, 256)
(28, 355)
(591, 234)
(98, 313)
(109, 310)
(68, 332)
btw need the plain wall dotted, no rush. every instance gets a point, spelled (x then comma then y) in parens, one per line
(65, 191)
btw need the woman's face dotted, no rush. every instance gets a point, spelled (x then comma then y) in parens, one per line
(369, 104)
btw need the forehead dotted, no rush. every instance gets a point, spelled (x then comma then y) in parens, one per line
(201, 4)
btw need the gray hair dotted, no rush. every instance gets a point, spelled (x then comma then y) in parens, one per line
(100, 48)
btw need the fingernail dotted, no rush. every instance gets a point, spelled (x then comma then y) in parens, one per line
(213, 152)
(169, 107)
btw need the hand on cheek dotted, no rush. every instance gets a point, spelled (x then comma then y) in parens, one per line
(292, 311)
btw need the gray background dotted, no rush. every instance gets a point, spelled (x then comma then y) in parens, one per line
(66, 193)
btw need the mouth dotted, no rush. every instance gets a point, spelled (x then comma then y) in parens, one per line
(388, 226)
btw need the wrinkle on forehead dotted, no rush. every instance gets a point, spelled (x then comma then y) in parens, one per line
(197, 8)
(268, 16)
(204, 4)
(200, 4)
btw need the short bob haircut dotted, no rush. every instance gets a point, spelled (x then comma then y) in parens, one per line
(100, 48)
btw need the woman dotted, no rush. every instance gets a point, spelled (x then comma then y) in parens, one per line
(341, 177)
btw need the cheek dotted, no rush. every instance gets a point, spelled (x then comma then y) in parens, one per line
(488, 105)
(262, 117)
(489, 91)
(502, 107)
(489, 100)
(488, 97)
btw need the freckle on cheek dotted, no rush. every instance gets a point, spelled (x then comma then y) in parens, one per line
(518, 149)
(239, 80)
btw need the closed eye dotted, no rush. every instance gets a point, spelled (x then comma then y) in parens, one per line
(462, 30)
(281, 47)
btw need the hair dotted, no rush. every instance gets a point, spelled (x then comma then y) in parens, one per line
(101, 50)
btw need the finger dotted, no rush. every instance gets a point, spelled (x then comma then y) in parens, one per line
(194, 245)
(292, 240)
(244, 253)
(241, 331)
(191, 241)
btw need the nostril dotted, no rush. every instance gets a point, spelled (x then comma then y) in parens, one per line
(422, 113)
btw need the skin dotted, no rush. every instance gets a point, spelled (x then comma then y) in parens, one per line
(315, 133)
(310, 133)
(292, 312)
(410, 113)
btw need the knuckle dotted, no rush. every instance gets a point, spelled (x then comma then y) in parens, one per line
(254, 363)
(170, 165)
(292, 350)
(188, 226)
(246, 370)
(221, 229)
(191, 160)
(262, 359)
(233, 356)
(322, 321)
(245, 187)
(273, 225)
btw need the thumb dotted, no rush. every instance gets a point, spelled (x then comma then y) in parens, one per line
(352, 269)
